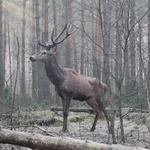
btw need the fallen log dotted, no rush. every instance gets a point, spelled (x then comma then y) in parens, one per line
(40, 142)
(43, 122)
(84, 109)
(139, 110)
(87, 110)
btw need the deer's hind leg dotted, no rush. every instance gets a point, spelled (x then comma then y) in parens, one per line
(94, 105)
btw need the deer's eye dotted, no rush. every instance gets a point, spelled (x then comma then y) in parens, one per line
(43, 53)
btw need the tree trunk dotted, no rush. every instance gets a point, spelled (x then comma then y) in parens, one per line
(67, 18)
(106, 73)
(124, 28)
(5, 41)
(34, 65)
(75, 54)
(148, 80)
(2, 69)
(88, 110)
(39, 71)
(9, 51)
(120, 82)
(56, 99)
(132, 40)
(68, 41)
(46, 85)
(94, 54)
(23, 88)
(141, 70)
(82, 39)
(41, 142)
(118, 57)
(55, 23)
(107, 25)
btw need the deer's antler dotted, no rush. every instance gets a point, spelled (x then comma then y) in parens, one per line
(69, 31)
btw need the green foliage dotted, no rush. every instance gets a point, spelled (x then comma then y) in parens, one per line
(20, 101)
(6, 100)
(129, 93)
(45, 104)
(27, 102)
(132, 96)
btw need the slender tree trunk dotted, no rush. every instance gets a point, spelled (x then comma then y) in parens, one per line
(125, 61)
(118, 57)
(55, 23)
(39, 72)
(132, 40)
(141, 81)
(100, 71)
(23, 88)
(9, 52)
(75, 54)
(68, 41)
(34, 65)
(107, 78)
(121, 82)
(5, 42)
(82, 38)
(94, 54)
(57, 100)
(107, 25)
(2, 69)
(148, 80)
(124, 28)
(45, 87)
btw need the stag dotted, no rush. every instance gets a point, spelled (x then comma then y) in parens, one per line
(68, 83)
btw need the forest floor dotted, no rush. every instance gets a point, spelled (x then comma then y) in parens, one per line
(136, 132)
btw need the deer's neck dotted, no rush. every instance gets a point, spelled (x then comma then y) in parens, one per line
(54, 72)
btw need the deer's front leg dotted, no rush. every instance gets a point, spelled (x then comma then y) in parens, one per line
(66, 104)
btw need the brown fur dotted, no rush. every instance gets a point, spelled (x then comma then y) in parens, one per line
(71, 85)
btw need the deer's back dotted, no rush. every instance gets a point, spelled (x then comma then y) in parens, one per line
(81, 87)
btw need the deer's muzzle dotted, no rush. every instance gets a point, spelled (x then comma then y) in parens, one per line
(32, 59)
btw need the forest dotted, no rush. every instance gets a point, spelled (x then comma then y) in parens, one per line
(111, 43)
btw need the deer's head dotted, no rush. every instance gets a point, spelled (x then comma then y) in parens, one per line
(48, 51)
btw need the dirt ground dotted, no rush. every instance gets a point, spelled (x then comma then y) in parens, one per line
(136, 133)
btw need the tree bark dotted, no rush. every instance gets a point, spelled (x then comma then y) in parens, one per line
(41, 142)
(68, 41)
(23, 88)
(46, 85)
(2, 69)
(55, 23)
(82, 39)
(67, 18)
(9, 50)
(94, 54)
(34, 66)
(39, 71)
(107, 26)
(75, 54)
(118, 56)
(106, 73)
(132, 41)
(148, 78)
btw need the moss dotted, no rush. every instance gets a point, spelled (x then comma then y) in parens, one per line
(75, 118)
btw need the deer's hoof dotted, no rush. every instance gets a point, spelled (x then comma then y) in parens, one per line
(65, 130)
(92, 129)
